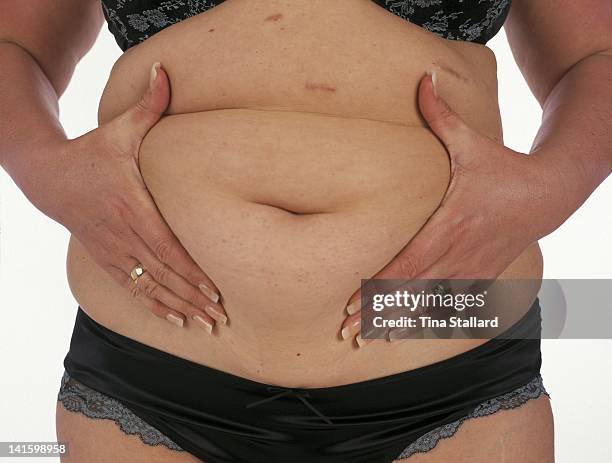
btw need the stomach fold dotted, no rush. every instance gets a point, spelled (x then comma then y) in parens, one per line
(292, 163)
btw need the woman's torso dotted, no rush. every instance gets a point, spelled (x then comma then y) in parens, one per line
(292, 164)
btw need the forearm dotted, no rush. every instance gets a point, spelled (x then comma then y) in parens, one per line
(29, 123)
(575, 138)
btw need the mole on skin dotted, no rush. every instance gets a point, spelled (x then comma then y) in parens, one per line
(274, 17)
(322, 87)
(211, 30)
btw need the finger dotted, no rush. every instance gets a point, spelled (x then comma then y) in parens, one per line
(459, 285)
(361, 342)
(355, 303)
(402, 334)
(146, 286)
(446, 124)
(166, 276)
(154, 306)
(146, 112)
(351, 326)
(149, 108)
(423, 250)
(153, 230)
(158, 97)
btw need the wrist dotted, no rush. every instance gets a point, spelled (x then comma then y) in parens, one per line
(562, 184)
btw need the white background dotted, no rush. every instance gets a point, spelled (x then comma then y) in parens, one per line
(37, 310)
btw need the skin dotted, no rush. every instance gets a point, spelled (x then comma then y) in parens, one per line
(103, 199)
(39, 59)
(568, 66)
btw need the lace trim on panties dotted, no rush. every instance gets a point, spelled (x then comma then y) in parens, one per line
(513, 399)
(77, 397)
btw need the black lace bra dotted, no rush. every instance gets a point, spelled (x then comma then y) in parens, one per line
(134, 21)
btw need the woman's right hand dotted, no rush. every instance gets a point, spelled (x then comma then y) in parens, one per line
(93, 186)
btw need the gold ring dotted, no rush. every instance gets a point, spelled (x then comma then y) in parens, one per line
(137, 272)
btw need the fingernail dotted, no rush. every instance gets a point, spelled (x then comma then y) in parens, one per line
(216, 314)
(352, 308)
(209, 293)
(395, 335)
(178, 321)
(153, 75)
(203, 323)
(353, 328)
(434, 82)
(360, 341)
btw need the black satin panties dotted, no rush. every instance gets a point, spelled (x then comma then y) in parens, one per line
(222, 418)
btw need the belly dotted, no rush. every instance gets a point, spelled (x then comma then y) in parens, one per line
(292, 164)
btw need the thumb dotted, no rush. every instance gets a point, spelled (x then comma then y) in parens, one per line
(147, 111)
(445, 123)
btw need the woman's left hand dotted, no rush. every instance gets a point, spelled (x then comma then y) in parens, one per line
(498, 203)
